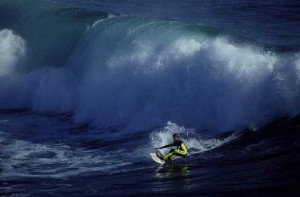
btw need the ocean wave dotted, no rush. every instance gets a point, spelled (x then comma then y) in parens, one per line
(142, 72)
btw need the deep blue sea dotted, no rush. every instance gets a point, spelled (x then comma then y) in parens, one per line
(88, 88)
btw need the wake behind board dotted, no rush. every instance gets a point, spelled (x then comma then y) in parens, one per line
(155, 158)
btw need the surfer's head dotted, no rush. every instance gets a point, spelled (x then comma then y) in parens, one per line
(175, 137)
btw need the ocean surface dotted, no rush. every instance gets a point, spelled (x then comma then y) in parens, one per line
(88, 88)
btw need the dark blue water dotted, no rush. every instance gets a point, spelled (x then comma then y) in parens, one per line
(89, 88)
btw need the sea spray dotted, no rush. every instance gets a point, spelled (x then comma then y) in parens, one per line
(12, 49)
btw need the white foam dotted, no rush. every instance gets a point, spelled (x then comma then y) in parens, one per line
(12, 48)
(193, 140)
(27, 159)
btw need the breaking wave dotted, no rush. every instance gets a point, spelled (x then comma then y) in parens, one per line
(140, 73)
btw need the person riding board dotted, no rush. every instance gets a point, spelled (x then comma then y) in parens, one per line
(181, 149)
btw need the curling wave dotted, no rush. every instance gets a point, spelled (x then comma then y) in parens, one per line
(142, 72)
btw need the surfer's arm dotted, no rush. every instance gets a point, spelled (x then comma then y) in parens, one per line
(166, 146)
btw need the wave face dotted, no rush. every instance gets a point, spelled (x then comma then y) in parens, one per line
(140, 72)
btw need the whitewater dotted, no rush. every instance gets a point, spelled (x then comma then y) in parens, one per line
(140, 73)
(89, 89)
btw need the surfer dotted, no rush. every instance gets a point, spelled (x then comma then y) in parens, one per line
(180, 150)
